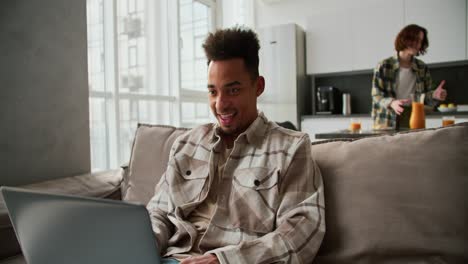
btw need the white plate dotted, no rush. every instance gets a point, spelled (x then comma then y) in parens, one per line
(447, 109)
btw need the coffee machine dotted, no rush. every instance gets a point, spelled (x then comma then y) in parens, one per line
(328, 100)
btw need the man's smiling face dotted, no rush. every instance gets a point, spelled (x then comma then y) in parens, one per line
(233, 95)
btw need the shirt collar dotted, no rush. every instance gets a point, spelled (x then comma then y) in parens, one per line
(396, 65)
(254, 134)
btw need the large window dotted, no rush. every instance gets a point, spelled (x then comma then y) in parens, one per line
(238, 12)
(196, 19)
(146, 65)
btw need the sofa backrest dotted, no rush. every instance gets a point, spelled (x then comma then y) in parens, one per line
(396, 199)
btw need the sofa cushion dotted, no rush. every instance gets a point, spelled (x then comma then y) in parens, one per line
(396, 199)
(148, 161)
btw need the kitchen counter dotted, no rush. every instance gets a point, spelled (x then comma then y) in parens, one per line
(335, 126)
(346, 133)
(457, 113)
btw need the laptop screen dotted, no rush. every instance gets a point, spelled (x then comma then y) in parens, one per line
(54, 228)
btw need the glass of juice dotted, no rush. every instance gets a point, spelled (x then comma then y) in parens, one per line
(355, 125)
(448, 120)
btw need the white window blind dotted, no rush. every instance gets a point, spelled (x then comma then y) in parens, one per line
(145, 65)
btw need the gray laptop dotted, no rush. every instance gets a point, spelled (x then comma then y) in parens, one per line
(68, 229)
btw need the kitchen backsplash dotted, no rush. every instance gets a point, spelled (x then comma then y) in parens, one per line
(359, 83)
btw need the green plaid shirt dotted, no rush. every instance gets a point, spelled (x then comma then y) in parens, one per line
(384, 84)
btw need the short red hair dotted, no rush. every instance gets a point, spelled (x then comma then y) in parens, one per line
(409, 35)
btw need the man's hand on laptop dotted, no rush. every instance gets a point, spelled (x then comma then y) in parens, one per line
(205, 259)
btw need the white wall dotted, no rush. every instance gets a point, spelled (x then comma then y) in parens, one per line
(293, 11)
(44, 118)
(444, 21)
(345, 35)
(298, 11)
(466, 23)
(233, 13)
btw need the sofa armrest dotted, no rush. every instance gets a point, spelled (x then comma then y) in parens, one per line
(124, 172)
(104, 184)
(98, 184)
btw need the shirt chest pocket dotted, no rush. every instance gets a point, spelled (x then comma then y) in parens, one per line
(254, 198)
(188, 176)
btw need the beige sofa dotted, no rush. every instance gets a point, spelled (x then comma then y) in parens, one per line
(399, 198)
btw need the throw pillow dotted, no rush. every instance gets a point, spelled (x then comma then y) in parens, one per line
(148, 161)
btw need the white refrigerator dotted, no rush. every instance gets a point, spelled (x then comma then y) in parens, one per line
(282, 63)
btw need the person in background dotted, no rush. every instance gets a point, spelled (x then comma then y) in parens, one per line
(399, 77)
(243, 190)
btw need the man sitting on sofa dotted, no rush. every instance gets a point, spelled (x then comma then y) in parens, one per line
(243, 190)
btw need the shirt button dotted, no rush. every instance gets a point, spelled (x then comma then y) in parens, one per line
(257, 182)
(188, 172)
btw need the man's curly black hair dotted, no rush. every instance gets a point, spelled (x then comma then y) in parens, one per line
(236, 42)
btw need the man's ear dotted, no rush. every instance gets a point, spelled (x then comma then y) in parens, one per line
(260, 85)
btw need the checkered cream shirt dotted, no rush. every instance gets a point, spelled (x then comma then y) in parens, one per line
(270, 204)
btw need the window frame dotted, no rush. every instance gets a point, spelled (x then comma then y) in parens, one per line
(191, 95)
(112, 94)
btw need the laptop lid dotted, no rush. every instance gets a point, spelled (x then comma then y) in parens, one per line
(55, 229)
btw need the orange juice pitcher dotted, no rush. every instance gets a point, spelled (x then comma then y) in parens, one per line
(417, 118)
